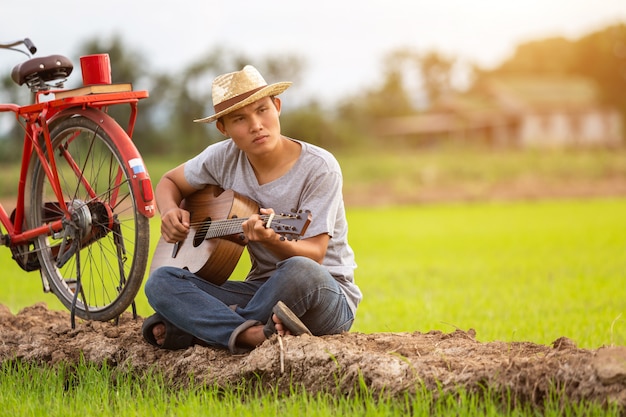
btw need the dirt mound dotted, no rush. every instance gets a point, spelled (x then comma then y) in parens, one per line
(393, 363)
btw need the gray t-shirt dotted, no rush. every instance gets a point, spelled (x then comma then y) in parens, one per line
(314, 183)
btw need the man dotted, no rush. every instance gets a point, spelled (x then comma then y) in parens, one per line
(293, 287)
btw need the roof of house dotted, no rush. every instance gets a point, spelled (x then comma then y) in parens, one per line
(523, 93)
(547, 91)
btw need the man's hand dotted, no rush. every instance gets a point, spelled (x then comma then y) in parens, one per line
(175, 225)
(313, 247)
(255, 230)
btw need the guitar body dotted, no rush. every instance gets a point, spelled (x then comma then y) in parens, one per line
(213, 259)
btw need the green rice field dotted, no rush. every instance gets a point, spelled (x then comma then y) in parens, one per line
(523, 271)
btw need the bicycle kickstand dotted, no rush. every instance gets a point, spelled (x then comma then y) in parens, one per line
(76, 292)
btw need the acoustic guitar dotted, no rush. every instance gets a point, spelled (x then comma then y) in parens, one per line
(216, 241)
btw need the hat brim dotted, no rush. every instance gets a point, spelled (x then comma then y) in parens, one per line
(267, 91)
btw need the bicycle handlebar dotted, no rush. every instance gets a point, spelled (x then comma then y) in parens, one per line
(30, 46)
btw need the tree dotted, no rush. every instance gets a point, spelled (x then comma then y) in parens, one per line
(12, 134)
(602, 57)
(549, 56)
(436, 73)
(388, 99)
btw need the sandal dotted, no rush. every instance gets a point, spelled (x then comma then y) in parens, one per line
(288, 319)
(175, 338)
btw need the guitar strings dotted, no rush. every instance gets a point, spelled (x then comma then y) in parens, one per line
(227, 227)
(228, 224)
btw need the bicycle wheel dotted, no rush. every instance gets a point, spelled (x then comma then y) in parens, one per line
(104, 245)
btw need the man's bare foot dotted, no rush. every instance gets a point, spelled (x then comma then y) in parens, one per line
(290, 323)
(280, 329)
(254, 336)
(158, 331)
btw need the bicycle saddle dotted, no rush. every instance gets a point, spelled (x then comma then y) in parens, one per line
(43, 69)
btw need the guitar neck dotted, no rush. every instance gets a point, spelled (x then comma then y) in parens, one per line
(227, 227)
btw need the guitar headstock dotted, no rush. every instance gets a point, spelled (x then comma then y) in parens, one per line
(289, 226)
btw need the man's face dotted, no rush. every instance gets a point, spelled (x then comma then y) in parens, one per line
(255, 128)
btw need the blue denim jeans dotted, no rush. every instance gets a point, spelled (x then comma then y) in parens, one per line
(216, 314)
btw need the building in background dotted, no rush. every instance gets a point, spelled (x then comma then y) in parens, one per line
(516, 111)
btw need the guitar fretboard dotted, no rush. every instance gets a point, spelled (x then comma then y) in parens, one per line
(226, 227)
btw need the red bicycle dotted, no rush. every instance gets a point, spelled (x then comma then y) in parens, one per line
(84, 196)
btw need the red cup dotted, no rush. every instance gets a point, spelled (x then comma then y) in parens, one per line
(96, 69)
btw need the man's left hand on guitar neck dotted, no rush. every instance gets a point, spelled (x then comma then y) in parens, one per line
(255, 230)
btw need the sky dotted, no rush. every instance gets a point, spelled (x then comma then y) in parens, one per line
(343, 42)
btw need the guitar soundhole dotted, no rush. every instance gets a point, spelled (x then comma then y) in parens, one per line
(201, 232)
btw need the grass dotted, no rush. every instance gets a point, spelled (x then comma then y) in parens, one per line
(30, 390)
(513, 271)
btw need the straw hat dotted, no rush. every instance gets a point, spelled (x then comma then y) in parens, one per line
(235, 90)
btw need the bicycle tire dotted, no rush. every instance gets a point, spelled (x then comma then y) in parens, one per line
(112, 238)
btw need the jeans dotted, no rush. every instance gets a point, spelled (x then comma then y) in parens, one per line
(216, 314)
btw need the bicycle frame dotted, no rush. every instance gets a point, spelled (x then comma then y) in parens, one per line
(37, 119)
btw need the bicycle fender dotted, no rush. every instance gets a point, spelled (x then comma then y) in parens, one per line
(140, 179)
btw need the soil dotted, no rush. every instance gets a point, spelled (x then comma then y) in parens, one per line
(387, 363)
